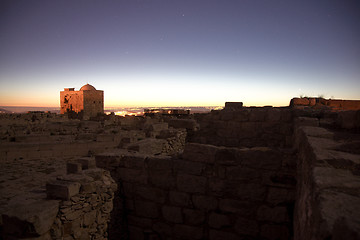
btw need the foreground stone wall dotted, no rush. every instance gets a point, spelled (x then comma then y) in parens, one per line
(210, 193)
(77, 206)
(246, 127)
(328, 197)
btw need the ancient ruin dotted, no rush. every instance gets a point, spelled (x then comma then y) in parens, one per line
(250, 173)
(83, 104)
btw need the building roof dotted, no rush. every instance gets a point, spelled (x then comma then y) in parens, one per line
(87, 87)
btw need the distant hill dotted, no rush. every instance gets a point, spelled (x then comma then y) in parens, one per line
(24, 109)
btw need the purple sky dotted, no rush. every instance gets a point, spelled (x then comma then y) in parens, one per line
(162, 53)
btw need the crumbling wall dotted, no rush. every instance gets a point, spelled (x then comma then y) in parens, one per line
(246, 127)
(210, 193)
(77, 206)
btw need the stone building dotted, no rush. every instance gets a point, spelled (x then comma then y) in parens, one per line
(85, 103)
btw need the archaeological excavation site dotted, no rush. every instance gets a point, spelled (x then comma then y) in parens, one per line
(247, 173)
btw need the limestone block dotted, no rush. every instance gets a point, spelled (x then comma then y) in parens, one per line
(29, 217)
(273, 115)
(162, 228)
(348, 119)
(179, 198)
(204, 202)
(157, 127)
(194, 217)
(149, 146)
(243, 174)
(218, 220)
(162, 178)
(275, 232)
(257, 115)
(140, 221)
(226, 115)
(132, 175)
(221, 235)
(107, 160)
(250, 191)
(172, 214)
(188, 232)
(189, 124)
(247, 227)
(243, 208)
(280, 195)
(152, 194)
(62, 189)
(233, 105)
(195, 168)
(272, 214)
(163, 163)
(199, 152)
(191, 183)
(72, 167)
(87, 162)
(146, 209)
(261, 158)
(306, 121)
(299, 102)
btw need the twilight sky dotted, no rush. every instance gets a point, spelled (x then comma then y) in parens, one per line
(179, 53)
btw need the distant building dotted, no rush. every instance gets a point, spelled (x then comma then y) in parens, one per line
(85, 103)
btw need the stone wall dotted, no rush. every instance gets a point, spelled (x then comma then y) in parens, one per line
(77, 206)
(328, 197)
(209, 193)
(246, 127)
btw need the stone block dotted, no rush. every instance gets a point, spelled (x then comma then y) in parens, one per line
(89, 218)
(221, 235)
(72, 167)
(246, 227)
(146, 209)
(188, 232)
(29, 217)
(299, 102)
(152, 194)
(275, 232)
(218, 220)
(243, 174)
(132, 175)
(280, 195)
(172, 214)
(272, 214)
(62, 189)
(179, 199)
(191, 183)
(162, 179)
(199, 152)
(164, 163)
(140, 221)
(227, 156)
(233, 105)
(148, 146)
(162, 228)
(87, 162)
(189, 124)
(257, 115)
(243, 208)
(250, 191)
(273, 115)
(133, 161)
(136, 233)
(194, 217)
(262, 158)
(194, 168)
(306, 121)
(205, 202)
